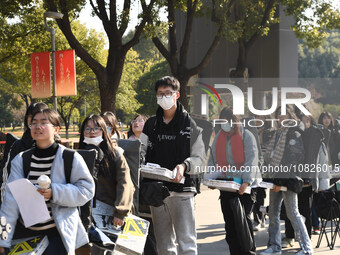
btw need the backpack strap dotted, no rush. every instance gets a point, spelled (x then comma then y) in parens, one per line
(68, 156)
(26, 157)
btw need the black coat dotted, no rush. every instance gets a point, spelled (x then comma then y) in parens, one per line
(170, 144)
(293, 156)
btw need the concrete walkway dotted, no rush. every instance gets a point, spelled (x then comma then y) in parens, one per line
(211, 234)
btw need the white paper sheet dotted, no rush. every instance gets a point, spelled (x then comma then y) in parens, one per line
(31, 203)
(156, 172)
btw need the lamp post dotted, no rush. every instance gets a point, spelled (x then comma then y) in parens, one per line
(53, 15)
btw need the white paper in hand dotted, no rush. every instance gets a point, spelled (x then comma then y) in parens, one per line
(31, 203)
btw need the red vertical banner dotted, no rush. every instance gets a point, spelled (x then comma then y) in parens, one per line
(40, 75)
(65, 73)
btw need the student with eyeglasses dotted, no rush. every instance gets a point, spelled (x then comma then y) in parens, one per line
(64, 229)
(174, 141)
(114, 187)
(136, 127)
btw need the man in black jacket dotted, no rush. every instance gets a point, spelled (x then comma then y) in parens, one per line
(174, 142)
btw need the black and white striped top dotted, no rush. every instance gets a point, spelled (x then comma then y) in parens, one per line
(41, 163)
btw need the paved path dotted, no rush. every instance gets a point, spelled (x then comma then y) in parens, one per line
(210, 230)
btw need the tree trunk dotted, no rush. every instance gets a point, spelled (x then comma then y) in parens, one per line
(183, 81)
(66, 128)
(108, 97)
(241, 60)
(108, 87)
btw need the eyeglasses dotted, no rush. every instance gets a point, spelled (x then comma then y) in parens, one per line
(88, 130)
(135, 121)
(167, 94)
(41, 125)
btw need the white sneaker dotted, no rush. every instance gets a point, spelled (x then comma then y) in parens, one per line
(270, 251)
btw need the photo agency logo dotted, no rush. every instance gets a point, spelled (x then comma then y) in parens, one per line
(238, 103)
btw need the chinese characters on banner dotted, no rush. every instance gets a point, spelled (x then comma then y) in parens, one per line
(65, 73)
(40, 75)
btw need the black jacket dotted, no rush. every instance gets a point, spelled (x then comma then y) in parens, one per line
(26, 142)
(332, 141)
(170, 144)
(293, 156)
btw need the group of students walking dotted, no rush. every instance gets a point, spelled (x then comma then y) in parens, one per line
(173, 140)
(305, 145)
(109, 188)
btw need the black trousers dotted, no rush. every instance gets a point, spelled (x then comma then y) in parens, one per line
(305, 198)
(150, 244)
(260, 196)
(55, 246)
(231, 237)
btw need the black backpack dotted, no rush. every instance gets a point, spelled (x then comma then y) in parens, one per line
(68, 155)
(312, 139)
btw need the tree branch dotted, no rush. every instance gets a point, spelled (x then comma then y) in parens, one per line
(191, 9)
(107, 24)
(162, 49)
(95, 9)
(208, 55)
(265, 18)
(125, 17)
(5, 58)
(113, 20)
(140, 27)
(64, 25)
(172, 28)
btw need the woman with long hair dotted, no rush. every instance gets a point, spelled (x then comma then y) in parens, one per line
(112, 125)
(114, 189)
(332, 137)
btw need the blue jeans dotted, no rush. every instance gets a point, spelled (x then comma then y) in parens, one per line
(315, 218)
(291, 204)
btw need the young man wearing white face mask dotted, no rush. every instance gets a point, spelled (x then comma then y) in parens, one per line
(175, 142)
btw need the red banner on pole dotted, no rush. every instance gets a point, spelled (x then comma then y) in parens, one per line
(40, 75)
(65, 73)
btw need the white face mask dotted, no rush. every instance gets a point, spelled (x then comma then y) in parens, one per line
(166, 103)
(226, 127)
(94, 141)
